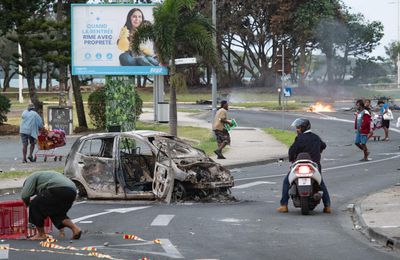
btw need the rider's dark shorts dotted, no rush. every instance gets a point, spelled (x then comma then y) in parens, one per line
(27, 138)
(222, 136)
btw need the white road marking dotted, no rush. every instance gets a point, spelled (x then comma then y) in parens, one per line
(233, 220)
(389, 226)
(80, 202)
(162, 220)
(323, 170)
(86, 222)
(108, 211)
(260, 177)
(4, 253)
(361, 163)
(251, 184)
(169, 248)
(326, 117)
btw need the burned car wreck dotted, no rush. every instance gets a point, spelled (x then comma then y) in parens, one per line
(143, 165)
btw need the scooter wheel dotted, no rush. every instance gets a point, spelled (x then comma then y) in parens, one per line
(305, 209)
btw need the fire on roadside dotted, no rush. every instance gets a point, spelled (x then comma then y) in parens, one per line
(320, 107)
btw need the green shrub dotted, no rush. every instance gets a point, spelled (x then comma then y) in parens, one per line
(124, 105)
(97, 107)
(138, 105)
(5, 105)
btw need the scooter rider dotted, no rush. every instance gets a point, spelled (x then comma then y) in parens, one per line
(305, 142)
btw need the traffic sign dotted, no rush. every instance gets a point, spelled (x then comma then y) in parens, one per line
(287, 92)
(185, 61)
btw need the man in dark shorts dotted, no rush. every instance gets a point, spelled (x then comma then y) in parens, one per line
(31, 122)
(222, 135)
(55, 195)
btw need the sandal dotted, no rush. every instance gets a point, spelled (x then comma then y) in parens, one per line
(78, 235)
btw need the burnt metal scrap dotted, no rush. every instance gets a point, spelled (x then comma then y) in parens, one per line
(145, 165)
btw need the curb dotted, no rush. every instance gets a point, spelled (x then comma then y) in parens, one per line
(9, 191)
(372, 233)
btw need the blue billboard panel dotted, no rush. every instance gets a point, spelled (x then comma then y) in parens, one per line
(101, 38)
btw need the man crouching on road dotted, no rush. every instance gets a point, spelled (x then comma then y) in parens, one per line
(305, 142)
(362, 126)
(55, 194)
(222, 135)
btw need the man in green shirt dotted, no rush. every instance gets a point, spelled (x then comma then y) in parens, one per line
(221, 134)
(55, 194)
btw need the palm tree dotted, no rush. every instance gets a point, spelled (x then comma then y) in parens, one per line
(178, 28)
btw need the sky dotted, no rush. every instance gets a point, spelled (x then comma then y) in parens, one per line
(385, 11)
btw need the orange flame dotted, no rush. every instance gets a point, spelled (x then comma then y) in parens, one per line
(319, 107)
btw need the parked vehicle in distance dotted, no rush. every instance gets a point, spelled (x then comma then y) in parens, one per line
(142, 165)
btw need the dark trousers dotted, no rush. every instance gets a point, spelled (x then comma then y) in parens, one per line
(53, 203)
(285, 192)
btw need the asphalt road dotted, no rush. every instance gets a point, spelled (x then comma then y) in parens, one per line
(249, 228)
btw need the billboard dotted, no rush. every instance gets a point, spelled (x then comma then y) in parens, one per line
(101, 36)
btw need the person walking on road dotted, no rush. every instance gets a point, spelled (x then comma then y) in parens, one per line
(29, 128)
(385, 122)
(305, 142)
(367, 104)
(362, 125)
(221, 133)
(55, 194)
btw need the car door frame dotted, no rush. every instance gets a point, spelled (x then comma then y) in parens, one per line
(118, 169)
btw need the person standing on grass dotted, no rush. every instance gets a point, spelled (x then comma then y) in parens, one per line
(362, 125)
(222, 135)
(55, 195)
(29, 128)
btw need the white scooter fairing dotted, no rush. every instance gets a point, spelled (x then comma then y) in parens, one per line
(304, 169)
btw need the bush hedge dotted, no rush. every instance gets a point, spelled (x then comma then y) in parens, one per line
(97, 107)
(5, 105)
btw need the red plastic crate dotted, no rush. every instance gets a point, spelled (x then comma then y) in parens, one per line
(14, 221)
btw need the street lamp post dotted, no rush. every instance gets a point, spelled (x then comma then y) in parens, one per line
(398, 41)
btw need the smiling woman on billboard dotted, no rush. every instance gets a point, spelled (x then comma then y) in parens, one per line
(145, 56)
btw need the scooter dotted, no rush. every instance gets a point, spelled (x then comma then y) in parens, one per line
(305, 180)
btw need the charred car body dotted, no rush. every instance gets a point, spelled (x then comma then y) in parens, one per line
(142, 165)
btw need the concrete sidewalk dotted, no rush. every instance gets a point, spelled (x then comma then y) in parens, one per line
(378, 217)
(250, 146)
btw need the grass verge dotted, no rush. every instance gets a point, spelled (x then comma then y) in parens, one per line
(19, 174)
(199, 137)
(284, 136)
(271, 105)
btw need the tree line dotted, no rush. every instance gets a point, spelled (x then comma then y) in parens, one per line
(250, 35)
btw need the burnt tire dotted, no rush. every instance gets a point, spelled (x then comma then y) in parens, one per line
(305, 208)
(81, 190)
(179, 193)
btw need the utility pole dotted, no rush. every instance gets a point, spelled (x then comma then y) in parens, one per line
(398, 42)
(213, 73)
